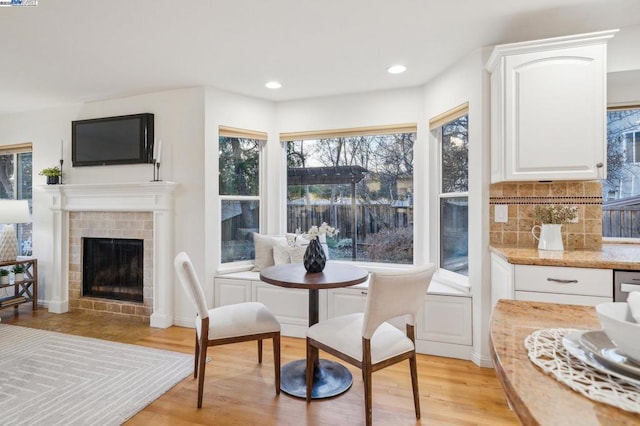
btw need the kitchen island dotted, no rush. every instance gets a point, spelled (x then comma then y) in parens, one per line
(536, 398)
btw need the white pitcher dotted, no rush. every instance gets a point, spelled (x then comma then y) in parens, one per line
(550, 236)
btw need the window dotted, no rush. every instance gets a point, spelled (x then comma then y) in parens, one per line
(16, 183)
(359, 181)
(621, 189)
(452, 129)
(239, 153)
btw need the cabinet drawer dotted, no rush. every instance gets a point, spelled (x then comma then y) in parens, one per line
(564, 280)
(567, 299)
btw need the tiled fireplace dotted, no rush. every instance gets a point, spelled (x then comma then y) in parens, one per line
(132, 210)
(110, 225)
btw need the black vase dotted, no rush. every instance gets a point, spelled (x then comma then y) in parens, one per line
(314, 258)
(53, 180)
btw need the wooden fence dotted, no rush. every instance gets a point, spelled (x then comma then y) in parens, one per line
(370, 218)
(621, 221)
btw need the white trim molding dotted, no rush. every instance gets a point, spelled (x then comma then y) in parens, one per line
(155, 197)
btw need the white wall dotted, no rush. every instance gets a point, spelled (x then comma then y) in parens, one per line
(223, 108)
(467, 81)
(179, 122)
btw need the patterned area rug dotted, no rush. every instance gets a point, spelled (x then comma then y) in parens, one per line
(49, 378)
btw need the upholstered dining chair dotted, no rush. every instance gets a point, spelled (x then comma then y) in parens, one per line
(366, 340)
(226, 324)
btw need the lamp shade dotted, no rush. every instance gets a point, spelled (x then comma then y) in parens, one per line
(14, 211)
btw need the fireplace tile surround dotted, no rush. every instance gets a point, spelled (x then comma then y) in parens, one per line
(124, 210)
(138, 225)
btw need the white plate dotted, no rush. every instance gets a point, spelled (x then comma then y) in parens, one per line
(571, 343)
(605, 351)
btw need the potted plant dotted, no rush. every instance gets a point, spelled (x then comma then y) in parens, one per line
(52, 173)
(4, 276)
(18, 273)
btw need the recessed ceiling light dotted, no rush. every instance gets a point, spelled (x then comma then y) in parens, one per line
(273, 85)
(396, 69)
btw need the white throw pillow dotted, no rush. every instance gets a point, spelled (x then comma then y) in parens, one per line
(297, 253)
(281, 253)
(264, 251)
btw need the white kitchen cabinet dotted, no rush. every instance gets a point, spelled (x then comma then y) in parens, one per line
(501, 279)
(553, 284)
(548, 109)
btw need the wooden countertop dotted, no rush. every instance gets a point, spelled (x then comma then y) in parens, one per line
(536, 398)
(611, 256)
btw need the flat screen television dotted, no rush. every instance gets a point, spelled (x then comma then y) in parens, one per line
(125, 139)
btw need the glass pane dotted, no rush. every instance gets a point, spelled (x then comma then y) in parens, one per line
(622, 186)
(454, 231)
(16, 183)
(455, 156)
(239, 166)
(361, 185)
(240, 219)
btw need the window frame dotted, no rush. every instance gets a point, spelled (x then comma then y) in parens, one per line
(17, 150)
(630, 106)
(261, 137)
(442, 275)
(287, 137)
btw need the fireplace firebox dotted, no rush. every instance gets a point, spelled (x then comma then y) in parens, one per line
(112, 268)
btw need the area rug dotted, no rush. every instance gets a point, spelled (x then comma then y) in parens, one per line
(49, 378)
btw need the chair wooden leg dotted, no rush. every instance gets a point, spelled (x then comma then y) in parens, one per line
(201, 368)
(310, 366)
(259, 351)
(195, 358)
(367, 397)
(414, 384)
(276, 361)
(367, 372)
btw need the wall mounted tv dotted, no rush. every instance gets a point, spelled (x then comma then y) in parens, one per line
(126, 139)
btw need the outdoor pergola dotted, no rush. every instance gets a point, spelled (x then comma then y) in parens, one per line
(329, 176)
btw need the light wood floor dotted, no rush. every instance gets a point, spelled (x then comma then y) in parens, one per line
(239, 391)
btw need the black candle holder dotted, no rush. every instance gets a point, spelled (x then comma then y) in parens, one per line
(61, 162)
(156, 171)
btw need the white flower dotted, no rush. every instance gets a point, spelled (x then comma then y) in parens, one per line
(316, 231)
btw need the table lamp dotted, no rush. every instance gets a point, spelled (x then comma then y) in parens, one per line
(11, 211)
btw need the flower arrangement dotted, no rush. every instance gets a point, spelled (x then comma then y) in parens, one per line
(554, 214)
(316, 231)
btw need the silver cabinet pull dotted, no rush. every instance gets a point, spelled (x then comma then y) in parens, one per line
(556, 280)
(363, 292)
(599, 165)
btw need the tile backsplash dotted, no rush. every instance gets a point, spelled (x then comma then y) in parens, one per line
(521, 199)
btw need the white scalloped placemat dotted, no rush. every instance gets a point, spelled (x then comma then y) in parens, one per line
(547, 352)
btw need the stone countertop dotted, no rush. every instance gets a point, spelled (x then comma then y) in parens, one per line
(611, 256)
(537, 398)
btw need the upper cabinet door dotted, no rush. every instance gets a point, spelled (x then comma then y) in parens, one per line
(548, 109)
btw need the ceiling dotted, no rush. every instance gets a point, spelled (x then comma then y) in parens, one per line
(71, 51)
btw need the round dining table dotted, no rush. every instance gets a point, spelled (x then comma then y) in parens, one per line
(330, 378)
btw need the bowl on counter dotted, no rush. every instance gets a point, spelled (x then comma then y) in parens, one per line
(617, 322)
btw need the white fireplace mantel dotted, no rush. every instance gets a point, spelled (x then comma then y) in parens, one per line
(155, 197)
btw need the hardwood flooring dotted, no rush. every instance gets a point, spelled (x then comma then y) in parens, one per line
(239, 391)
